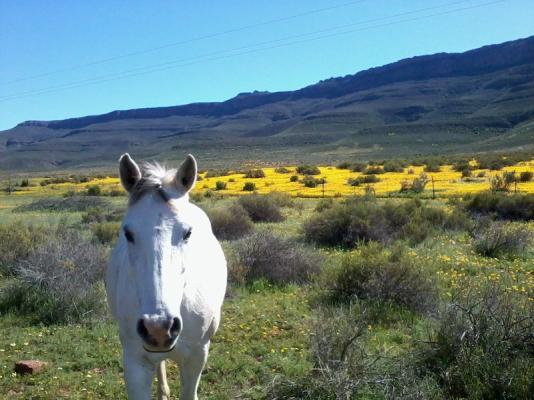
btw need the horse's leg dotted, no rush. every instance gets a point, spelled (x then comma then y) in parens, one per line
(138, 375)
(190, 370)
(163, 389)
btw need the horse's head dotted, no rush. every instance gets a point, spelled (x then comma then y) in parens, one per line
(157, 230)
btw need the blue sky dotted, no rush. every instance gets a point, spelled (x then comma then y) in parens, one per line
(73, 58)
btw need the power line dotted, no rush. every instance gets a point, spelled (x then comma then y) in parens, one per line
(182, 42)
(210, 57)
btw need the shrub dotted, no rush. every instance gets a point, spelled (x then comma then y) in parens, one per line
(526, 176)
(373, 170)
(432, 167)
(102, 215)
(324, 204)
(310, 181)
(220, 185)
(308, 170)
(282, 170)
(17, 241)
(374, 273)
(482, 346)
(59, 282)
(393, 166)
(499, 239)
(106, 232)
(359, 220)
(255, 173)
(343, 165)
(281, 199)
(230, 223)
(249, 187)
(501, 205)
(261, 208)
(363, 179)
(25, 183)
(212, 173)
(358, 167)
(294, 178)
(417, 185)
(280, 261)
(481, 174)
(466, 173)
(75, 203)
(94, 190)
(411, 171)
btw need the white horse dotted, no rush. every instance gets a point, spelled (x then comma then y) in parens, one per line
(166, 279)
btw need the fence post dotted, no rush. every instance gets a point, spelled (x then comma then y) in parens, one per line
(433, 190)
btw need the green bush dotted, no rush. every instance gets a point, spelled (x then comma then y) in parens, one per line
(417, 185)
(17, 240)
(220, 185)
(358, 167)
(324, 204)
(294, 178)
(365, 179)
(94, 190)
(249, 187)
(432, 168)
(280, 261)
(255, 173)
(281, 199)
(393, 166)
(482, 347)
(343, 165)
(308, 170)
(25, 183)
(75, 203)
(359, 220)
(374, 170)
(59, 281)
(526, 176)
(212, 173)
(374, 273)
(311, 182)
(282, 170)
(261, 208)
(499, 239)
(501, 205)
(106, 232)
(230, 223)
(97, 214)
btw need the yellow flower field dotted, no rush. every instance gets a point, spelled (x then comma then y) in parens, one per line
(446, 183)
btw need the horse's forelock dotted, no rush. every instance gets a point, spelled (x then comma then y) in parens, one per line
(155, 178)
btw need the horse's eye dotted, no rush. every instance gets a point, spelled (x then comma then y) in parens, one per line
(128, 235)
(187, 234)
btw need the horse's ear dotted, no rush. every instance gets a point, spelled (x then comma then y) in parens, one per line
(186, 176)
(129, 172)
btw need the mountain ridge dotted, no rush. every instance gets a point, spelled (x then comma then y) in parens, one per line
(489, 90)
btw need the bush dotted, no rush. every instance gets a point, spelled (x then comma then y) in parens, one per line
(280, 261)
(466, 173)
(343, 165)
(75, 203)
(17, 241)
(261, 208)
(308, 170)
(417, 185)
(482, 347)
(294, 178)
(102, 215)
(310, 182)
(94, 190)
(501, 205)
(281, 199)
(526, 176)
(106, 232)
(499, 239)
(255, 173)
(432, 168)
(324, 204)
(358, 167)
(212, 173)
(374, 273)
(249, 187)
(59, 282)
(230, 223)
(282, 170)
(362, 180)
(359, 220)
(393, 166)
(373, 170)
(220, 185)
(25, 183)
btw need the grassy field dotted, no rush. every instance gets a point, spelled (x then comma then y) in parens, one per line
(310, 339)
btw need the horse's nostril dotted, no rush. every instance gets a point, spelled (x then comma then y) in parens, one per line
(141, 329)
(176, 326)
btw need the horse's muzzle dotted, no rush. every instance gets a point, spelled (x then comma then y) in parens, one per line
(159, 334)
